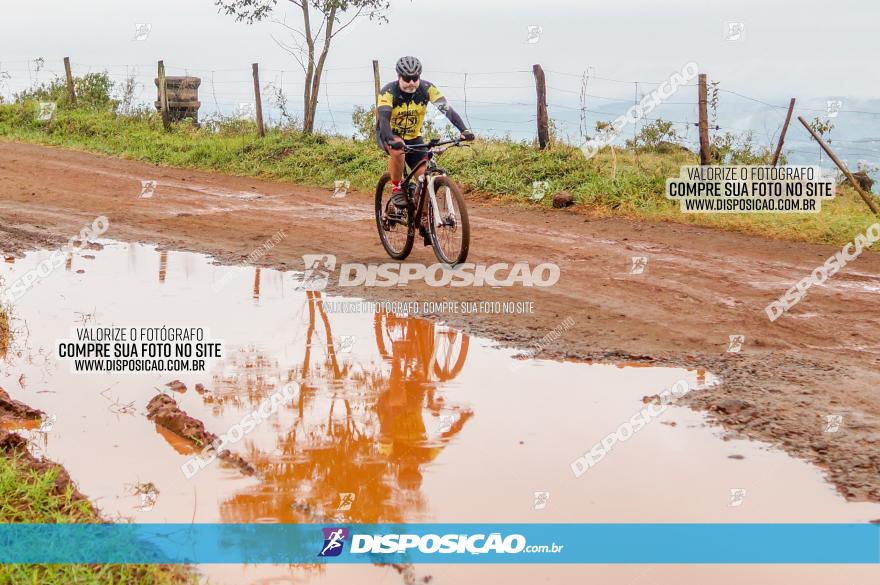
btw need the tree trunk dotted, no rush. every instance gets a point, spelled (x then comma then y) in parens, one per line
(318, 70)
(308, 115)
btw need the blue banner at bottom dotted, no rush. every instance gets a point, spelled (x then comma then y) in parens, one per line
(441, 543)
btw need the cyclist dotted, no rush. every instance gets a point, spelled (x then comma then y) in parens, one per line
(401, 113)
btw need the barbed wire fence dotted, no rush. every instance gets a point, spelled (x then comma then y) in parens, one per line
(500, 104)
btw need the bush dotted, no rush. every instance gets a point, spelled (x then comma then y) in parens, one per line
(731, 149)
(364, 122)
(92, 91)
(658, 136)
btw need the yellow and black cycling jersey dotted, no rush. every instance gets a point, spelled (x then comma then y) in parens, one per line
(403, 114)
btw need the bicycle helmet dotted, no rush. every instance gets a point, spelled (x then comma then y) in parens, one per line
(409, 66)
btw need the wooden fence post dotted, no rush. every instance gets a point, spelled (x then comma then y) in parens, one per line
(841, 166)
(261, 130)
(71, 89)
(376, 83)
(778, 150)
(163, 98)
(541, 88)
(705, 154)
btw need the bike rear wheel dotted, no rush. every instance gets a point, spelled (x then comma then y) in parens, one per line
(452, 237)
(397, 235)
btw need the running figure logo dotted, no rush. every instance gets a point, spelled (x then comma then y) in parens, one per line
(318, 268)
(334, 541)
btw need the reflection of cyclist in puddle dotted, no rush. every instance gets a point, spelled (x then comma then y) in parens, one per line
(364, 433)
(420, 354)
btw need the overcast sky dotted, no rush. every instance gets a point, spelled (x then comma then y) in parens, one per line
(808, 48)
(815, 51)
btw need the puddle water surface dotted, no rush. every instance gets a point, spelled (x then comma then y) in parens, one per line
(398, 419)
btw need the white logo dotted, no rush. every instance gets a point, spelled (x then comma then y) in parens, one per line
(446, 421)
(46, 111)
(541, 500)
(737, 495)
(346, 343)
(734, 31)
(534, 34)
(147, 189)
(47, 424)
(735, 343)
(340, 189)
(333, 542)
(246, 111)
(833, 107)
(318, 268)
(639, 263)
(345, 502)
(627, 429)
(640, 110)
(142, 30)
(474, 544)
(820, 274)
(149, 495)
(267, 408)
(833, 423)
(539, 190)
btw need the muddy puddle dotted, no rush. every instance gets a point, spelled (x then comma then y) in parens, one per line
(397, 419)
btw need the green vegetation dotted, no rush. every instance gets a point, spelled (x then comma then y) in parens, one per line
(92, 91)
(28, 495)
(33, 494)
(626, 182)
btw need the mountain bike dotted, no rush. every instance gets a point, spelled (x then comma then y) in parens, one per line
(447, 223)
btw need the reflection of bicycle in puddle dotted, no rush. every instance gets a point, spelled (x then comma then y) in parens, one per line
(362, 429)
(422, 353)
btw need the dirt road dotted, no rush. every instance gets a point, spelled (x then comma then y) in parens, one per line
(698, 288)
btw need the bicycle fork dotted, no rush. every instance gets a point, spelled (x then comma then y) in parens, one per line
(436, 208)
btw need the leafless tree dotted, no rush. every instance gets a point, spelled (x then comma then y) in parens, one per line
(309, 44)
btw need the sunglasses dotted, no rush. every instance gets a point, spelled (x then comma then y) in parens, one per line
(409, 78)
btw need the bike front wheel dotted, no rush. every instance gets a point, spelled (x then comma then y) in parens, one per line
(395, 231)
(451, 230)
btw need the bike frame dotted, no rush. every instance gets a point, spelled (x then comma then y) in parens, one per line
(432, 171)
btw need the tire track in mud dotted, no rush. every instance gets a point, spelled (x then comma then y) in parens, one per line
(700, 286)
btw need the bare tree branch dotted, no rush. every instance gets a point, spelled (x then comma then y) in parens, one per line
(293, 52)
(290, 28)
(351, 20)
(307, 40)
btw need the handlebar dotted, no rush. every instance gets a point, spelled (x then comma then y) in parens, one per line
(433, 144)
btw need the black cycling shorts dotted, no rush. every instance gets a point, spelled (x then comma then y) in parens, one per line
(412, 158)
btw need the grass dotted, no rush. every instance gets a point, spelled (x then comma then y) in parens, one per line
(621, 183)
(32, 496)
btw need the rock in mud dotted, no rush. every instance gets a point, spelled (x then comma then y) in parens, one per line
(562, 199)
(200, 388)
(731, 406)
(163, 410)
(177, 386)
(13, 409)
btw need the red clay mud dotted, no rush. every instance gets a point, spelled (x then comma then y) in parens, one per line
(14, 410)
(699, 287)
(163, 410)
